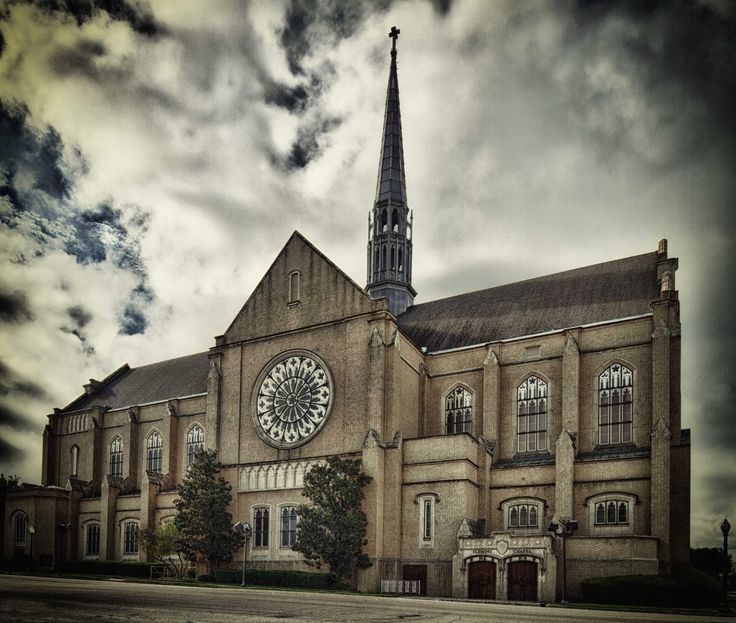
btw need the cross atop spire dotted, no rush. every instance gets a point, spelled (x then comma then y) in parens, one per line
(394, 34)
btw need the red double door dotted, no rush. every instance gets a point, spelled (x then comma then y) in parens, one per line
(522, 580)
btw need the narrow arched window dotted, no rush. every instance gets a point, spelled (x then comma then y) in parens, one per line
(615, 405)
(393, 257)
(130, 538)
(195, 443)
(116, 457)
(154, 452)
(514, 517)
(74, 460)
(294, 287)
(395, 220)
(531, 415)
(288, 526)
(401, 259)
(19, 530)
(92, 539)
(261, 527)
(384, 220)
(459, 411)
(383, 258)
(377, 263)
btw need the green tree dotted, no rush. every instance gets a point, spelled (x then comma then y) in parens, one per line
(165, 545)
(332, 527)
(203, 520)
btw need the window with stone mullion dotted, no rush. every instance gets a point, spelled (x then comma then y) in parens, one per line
(531, 415)
(615, 405)
(261, 527)
(288, 526)
(154, 452)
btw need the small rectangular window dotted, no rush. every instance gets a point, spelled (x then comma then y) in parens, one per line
(532, 352)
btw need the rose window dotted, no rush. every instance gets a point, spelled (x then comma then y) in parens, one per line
(293, 400)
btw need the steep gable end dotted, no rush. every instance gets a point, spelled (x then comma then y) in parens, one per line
(323, 294)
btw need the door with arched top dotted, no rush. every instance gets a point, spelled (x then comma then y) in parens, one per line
(522, 580)
(482, 580)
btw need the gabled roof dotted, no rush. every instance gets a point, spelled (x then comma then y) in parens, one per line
(156, 382)
(608, 291)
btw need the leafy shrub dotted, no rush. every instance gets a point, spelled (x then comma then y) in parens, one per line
(106, 567)
(690, 588)
(292, 579)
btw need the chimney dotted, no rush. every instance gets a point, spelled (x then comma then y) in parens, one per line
(89, 388)
(662, 247)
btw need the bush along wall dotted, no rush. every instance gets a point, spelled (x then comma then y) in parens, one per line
(690, 588)
(291, 579)
(106, 567)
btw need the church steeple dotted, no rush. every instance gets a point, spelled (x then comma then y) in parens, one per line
(390, 222)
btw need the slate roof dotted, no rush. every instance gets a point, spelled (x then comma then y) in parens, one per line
(607, 291)
(173, 378)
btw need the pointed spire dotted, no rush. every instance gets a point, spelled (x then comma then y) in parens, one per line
(390, 225)
(391, 183)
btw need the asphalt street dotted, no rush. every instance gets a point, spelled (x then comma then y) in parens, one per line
(61, 600)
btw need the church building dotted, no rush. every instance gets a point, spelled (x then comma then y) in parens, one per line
(496, 425)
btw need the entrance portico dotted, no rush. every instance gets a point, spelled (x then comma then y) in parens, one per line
(505, 567)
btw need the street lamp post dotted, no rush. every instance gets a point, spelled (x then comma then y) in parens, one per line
(245, 529)
(725, 528)
(563, 527)
(32, 532)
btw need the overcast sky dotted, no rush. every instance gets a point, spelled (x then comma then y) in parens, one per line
(154, 158)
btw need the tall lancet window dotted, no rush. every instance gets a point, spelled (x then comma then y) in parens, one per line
(531, 415)
(459, 411)
(154, 452)
(195, 443)
(74, 467)
(615, 405)
(116, 457)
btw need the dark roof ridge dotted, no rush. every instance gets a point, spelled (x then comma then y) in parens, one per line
(569, 271)
(155, 363)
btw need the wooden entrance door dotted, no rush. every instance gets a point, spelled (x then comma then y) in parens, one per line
(482, 580)
(522, 580)
(416, 572)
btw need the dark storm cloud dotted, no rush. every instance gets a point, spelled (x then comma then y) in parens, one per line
(329, 22)
(308, 145)
(9, 452)
(36, 153)
(132, 320)
(682, 56)
(36, 186)
(12, 384)
(78, 59)
(10, 418)
(79, 318)
(137, 15)
(14, 307)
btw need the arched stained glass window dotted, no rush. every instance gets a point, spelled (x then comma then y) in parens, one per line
(531, 415)
(459, 411)
(195, 443)
(154, 452)
(615, 405)
(611, 513)
(116, 457)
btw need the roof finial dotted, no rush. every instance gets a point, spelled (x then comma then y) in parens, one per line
(394, 34)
